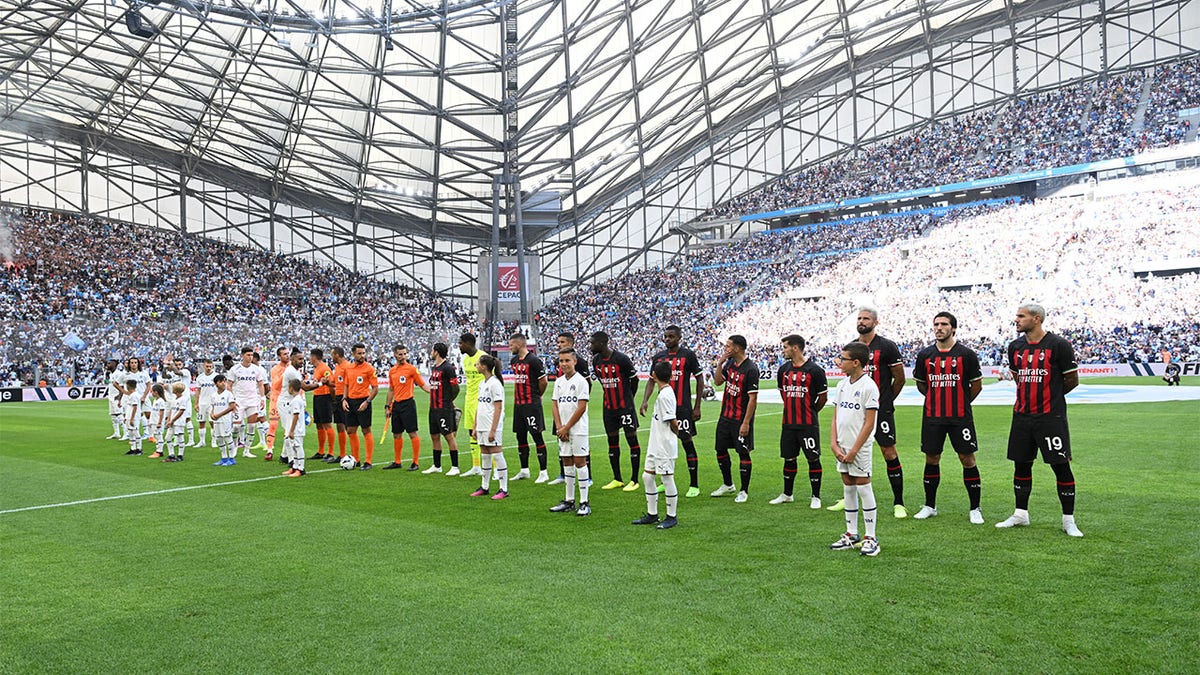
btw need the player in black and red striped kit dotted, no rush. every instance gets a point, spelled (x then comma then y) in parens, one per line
(684, 367)
(948, 376)
(1043, 366)
(619, 382)
(885, 365)
(443, 422)
(735, 427)
(529, 382)
(804, 390)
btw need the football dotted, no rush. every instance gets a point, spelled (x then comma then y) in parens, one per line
(347, 462)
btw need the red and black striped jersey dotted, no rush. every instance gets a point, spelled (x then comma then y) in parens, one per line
(741, 380)
(1038, 369)
(526, 374)
(947, 376)
(442, 381)
(684, 367)
(882, 354)
(618, 379)
(800, 388)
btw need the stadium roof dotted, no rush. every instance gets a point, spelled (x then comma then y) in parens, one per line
(396, 109)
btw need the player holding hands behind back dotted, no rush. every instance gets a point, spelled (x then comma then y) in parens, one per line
(855, 406)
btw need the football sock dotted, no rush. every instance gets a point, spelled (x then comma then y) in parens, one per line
(298, 453)
(398, 447)
(203, 434)
(814, 476)
(866, 497)
(341, 434)
(582, 475)
(416, 454)
(895, 476)
(437, 457)
(320, 441)
(354, 446)
(486, 479)
(454, 458)
(971, 480)
(116, 424)
(1066, 487)
(570, 481)
(726, 467)
(1023, 483)
(475, 451)
(370, 442)
(651, 493)
(562, 469)
(191, 432)
(933, 478)
(179, 444)
(539, 446)
(249, 431)
(850, 497)
(789, 475)
(523, 450)
(501, 469)
(635, 454)
(614, 457)
(693, 462)
(672, 494)
(745, 464)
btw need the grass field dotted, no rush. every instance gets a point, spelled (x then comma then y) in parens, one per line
(395, 571)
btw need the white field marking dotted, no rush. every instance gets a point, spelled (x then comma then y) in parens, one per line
(152, 492)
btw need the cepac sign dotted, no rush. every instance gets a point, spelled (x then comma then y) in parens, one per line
(509, 288)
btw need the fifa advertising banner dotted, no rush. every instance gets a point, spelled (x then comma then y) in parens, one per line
(508, 287)
(35, 394)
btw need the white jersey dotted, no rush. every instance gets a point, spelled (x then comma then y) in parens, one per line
(182, 404)
(142, 378)
(222, 426)
(290, 373)
(295, 405)
(158, 411)
(246, 381)
(207, 388)
(851, 401)
(115, 378)
(662, 440)
(490, 391)
(130, 403)
(568, 392)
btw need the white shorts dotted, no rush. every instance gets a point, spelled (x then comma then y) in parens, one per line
(860, 467)
(114, 408)
(203, 413)
(576, 446)
(131, 412)
(490, 442)
(660, 466)
(245, 410)
(225, 433)
(180, 429)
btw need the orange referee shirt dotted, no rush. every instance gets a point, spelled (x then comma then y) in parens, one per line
(320, 372)
(359, 379)
(401, 379)
(339, 378)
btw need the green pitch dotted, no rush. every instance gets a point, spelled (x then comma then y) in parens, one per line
(391, 571)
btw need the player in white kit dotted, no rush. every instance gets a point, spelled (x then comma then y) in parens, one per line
(569, 405)
(131, 407)
(223, 411)
(181, 414)
(855, 405)
(662, 451)
(249, 388)
(114, 377)
(159, 405)
(206, 391)
(181, 374)
(489, 427)
(135, 372)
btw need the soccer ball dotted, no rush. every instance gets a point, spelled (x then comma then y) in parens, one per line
(347, 462)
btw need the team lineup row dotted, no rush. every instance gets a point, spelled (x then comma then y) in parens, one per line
(235, 406)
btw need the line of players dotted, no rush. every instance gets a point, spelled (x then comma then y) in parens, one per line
(947, 374)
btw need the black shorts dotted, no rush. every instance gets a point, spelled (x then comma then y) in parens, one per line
(960, 431)
(728, 438)
(687, 426)
(1047, 433)
(806, 439)
(355, 417)
(323, 409)
(339, 415)
(615, 420)
(528, 418)
(885, 428)
(442, 422)
(404, 417)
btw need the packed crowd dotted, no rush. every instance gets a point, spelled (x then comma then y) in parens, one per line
(129, 290)
(1087, 122)
(1082, 267)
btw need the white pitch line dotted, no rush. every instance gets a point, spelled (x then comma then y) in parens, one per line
(147, 494)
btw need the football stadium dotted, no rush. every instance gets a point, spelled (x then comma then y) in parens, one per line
(599, 335)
